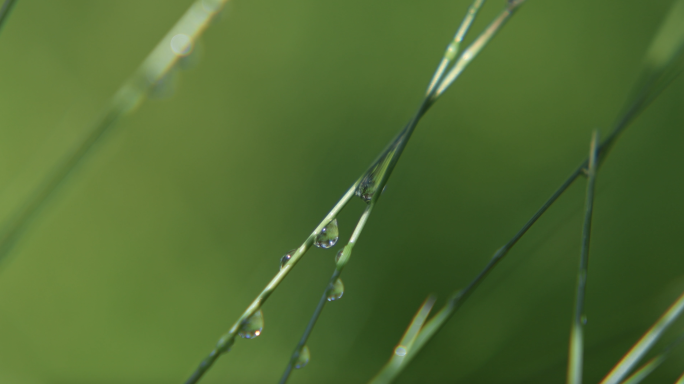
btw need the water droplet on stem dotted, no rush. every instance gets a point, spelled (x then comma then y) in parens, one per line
(286, 258)
(328, 236)
(303, 358)
(337, 290)
(253, 326)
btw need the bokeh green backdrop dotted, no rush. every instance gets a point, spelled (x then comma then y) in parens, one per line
(163, 236)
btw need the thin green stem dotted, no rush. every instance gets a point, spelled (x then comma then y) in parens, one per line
(575, 358)
(5, 10)
(228, 339)
(344, 258)
(474, 49)
(159, 63)
(453, 47)
(388, 372)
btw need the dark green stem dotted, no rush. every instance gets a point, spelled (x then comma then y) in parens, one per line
(576, 355)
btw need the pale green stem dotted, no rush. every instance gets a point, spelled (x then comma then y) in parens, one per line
(646, 369)
(680, 380)
(627, 363)
(575, 358)
(474, 49)
(388, 372)
(453, 47)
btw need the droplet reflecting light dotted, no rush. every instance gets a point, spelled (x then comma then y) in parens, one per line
(253, 326)
(337, 290)
(328, 236)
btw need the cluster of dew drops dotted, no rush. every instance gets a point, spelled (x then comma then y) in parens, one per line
(253, 326)
(327, 238)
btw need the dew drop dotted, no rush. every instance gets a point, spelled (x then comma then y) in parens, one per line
(328, 236)
(400, 351)
(367, 187)
(253, 326)
(286, 258)
(303, 358)
(337, 290)
(181, 44)
(369, 184)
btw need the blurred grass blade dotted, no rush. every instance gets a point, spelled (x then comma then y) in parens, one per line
(576, 353)
(663, 61)
(5, 10)
(393, 367)
(680, 380)
(645, 370)
(627, 363)
(176, 44)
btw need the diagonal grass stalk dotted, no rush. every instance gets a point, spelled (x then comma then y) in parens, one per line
(372, 181)
(640, 374)
(390, 370)
(175, 45)
(576, 355)
(638, 350)
(5, 10)
(669, 42)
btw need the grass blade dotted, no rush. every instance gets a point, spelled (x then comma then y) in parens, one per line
(474, 49)
(176, 44)
(576, 355)
(389, 372)
(454, 46)
(627, 363)
(652, 364)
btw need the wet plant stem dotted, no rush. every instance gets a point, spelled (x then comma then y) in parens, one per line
(576, 355)
(228, 339)
(344, 258)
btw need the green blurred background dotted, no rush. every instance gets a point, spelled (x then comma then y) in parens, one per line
(162, 237)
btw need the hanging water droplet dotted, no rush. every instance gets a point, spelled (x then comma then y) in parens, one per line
(303, 358)
(286, 258)
(328, 236)
(583, 319)
(253, 326)
(368, 185)
(400, 351)
(337, 290)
